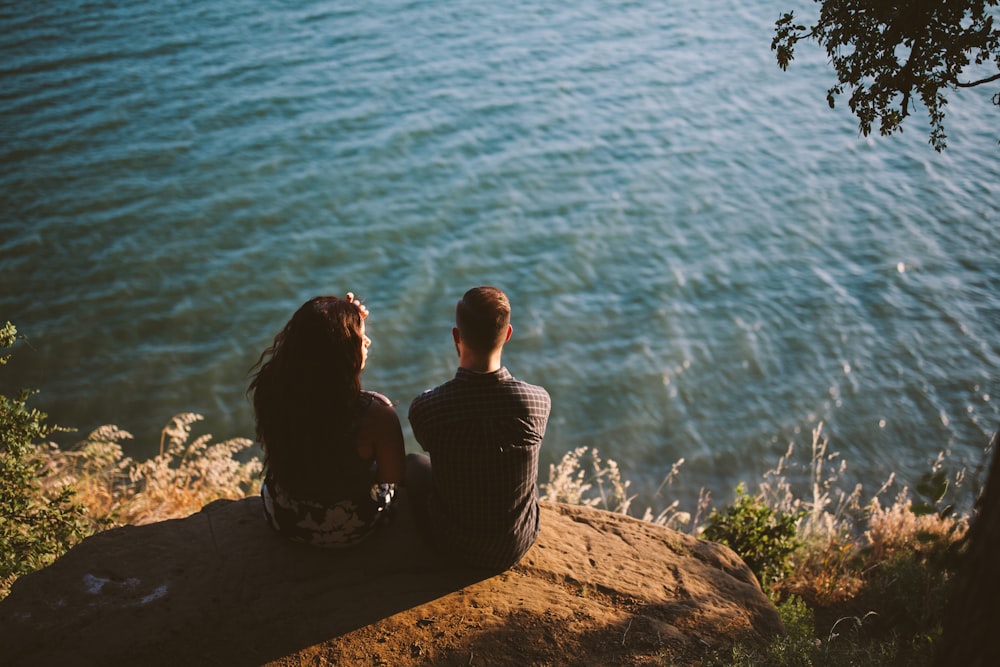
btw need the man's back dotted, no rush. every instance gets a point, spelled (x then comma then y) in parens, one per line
(483, 432)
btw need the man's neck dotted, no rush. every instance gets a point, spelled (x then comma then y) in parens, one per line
(481, 363)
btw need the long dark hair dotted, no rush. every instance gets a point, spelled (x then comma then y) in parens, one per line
(305, 392)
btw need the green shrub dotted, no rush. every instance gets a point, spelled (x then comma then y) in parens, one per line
(34, 528)
(800, 647)
(763, 537)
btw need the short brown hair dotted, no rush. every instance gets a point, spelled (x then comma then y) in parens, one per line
(482, 316)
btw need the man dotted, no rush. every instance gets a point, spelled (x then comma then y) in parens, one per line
(477, 494)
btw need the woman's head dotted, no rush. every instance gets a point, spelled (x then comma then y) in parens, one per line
(306, 385)
(326, 337)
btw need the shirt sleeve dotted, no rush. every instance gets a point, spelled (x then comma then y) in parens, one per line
(415, 415)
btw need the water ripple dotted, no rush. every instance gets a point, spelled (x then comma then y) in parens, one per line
(705, 261)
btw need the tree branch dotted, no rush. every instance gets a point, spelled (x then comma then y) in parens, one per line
(970, 84)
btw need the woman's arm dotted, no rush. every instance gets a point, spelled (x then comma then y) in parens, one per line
(381, 438)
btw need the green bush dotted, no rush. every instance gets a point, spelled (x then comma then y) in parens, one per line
(34, 528)
(798, 647)
(763, 537)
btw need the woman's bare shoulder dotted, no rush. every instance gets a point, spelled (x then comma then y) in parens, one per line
(379, 399)
(381, 410)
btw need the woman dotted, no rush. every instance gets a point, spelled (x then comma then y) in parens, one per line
(332, 452)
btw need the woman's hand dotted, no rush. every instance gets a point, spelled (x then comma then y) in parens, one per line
(357, 302)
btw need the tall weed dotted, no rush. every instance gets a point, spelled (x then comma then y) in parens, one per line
(186, 474)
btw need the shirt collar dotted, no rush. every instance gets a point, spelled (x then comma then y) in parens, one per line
(500, 375)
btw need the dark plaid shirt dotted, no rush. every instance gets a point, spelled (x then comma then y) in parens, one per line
(483, 432)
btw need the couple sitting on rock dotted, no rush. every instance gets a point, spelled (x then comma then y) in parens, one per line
(334, 453)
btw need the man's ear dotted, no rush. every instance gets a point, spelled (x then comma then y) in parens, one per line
(510, 330)
(456, 335)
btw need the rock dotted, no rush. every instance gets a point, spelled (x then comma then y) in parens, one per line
(219, 587)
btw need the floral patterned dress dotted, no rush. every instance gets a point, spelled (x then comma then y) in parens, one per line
(333, 524)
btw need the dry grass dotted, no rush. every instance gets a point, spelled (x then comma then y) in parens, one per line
(849, 541)
(186, 475)
(594, 484)
(897, 528)
(582, 477)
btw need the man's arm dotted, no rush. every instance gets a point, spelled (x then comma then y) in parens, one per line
(417, 417)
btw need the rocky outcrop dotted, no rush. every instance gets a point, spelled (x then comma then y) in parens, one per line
(218, 587)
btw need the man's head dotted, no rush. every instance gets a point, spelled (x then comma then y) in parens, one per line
(482, 318)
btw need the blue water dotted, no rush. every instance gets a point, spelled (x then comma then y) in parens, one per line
(704, 260)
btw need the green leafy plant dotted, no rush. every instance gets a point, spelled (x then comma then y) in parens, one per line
(35, 527)
(798, 646)
(763, 537)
